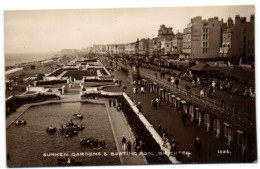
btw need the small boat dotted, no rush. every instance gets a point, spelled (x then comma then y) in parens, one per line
(51, 130)
(20, 122)
(79, 116)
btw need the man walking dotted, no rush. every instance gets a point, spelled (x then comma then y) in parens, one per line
(129, 146)
(197, 146)
(109, 101)
(123, 143)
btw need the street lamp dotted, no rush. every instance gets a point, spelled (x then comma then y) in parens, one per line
(137, 57)
(116, 57)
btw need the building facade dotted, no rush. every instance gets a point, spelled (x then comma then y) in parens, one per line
(177, 43)
(238, 39)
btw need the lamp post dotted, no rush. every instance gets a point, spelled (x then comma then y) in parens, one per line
(137, 57)
(116, 57)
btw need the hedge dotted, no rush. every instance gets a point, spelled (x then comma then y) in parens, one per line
(98, 80)
(143, 134)
(15, 102)
(99, 95)
(50, 82)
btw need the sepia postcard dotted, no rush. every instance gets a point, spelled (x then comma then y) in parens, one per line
(130, 86)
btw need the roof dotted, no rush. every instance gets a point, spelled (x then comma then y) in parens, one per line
(202, 67)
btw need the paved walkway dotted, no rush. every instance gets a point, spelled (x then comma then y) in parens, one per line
(120, 128)
(170, 119)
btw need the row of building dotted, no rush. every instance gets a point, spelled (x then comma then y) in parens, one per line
(208, 38)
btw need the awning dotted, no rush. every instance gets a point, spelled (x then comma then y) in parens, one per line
(183, 102)
(226, 124)
(173, 96)
(240, 132)
(178, 98)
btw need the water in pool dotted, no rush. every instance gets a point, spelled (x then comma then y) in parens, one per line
(28, 145)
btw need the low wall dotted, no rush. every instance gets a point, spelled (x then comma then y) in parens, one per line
(35, 89)
(142, 118)
(151, 129)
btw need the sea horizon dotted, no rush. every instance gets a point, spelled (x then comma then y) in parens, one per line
(14, 58)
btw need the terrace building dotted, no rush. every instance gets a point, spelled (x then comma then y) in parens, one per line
(238, 39)
(211, 38)
(100, 49)
(130, 48)
(177, 43)
(202, 38)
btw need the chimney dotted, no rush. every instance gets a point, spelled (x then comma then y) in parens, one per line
(230, 22)
(237, 19)
(252, 18)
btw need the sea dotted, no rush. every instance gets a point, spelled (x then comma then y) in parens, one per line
(18, 58)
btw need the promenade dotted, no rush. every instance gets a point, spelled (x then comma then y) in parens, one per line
(171, 121)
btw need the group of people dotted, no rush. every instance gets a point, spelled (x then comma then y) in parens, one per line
(126, 145)
(156, 102)
(112, 102)
(135, 89)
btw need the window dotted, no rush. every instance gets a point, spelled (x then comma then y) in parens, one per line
(244, 47)
(244, 39)
(224, 36)
(249, 42)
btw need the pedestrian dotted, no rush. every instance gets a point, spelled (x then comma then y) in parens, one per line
(202, 93)
(197, 145)
(159, 128)
(139, 106)
(110, 102)
(165, 133)
(154, 103)
(123, 143)
(114, 102)
(184, 118)
(213, 85)
(177, 82)
(142, 90)
(193, 83)
(129, 146)
(136, 90)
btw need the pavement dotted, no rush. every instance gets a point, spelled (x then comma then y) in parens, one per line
(171, 121)
(120, 128)
(242, 102)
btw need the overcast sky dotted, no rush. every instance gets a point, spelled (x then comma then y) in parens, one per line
(53, 30)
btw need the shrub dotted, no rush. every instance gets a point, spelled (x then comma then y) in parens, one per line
(143, 134)
(50, 82)
(15, 102)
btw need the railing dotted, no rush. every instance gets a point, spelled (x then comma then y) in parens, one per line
(240, 118)
(203, 101)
